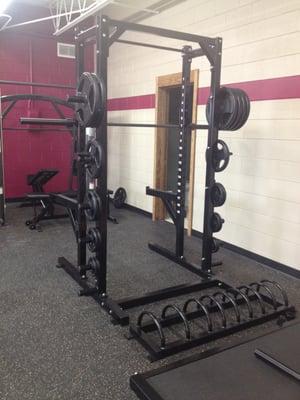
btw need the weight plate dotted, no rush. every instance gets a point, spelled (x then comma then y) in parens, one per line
(90, 111)
(95, 152)
(220, 155)
(94, 264)
(225, 108)
(232, 109)
(217, 194)
(238, 110)
(93, 205)
(246, 109)
(119, 197)
(215, 246)
(93, 239)
(216, 222)
(228, 109)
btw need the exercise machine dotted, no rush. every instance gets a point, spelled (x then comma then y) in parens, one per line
(227, 109)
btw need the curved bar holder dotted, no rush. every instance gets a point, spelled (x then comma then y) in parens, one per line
(248, 288)
(236, 293)
(279, 287)
(225, 296)
(226, 303)
(259, 285)
(182, 317)
(156, 322)
(218, 304)
(203, 308)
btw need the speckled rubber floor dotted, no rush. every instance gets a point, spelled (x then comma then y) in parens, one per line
(56, 345)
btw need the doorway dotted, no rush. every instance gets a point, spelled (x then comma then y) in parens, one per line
(166, 142)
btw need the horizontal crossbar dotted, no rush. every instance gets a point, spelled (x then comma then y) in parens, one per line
(47, 121)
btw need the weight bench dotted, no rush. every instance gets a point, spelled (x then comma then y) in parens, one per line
(264, 368)
(47, 200)
(39, 197)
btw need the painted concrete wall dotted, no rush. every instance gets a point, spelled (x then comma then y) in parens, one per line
(261, 53)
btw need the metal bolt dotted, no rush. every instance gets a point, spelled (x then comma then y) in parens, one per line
(102, 304)
(110, 312)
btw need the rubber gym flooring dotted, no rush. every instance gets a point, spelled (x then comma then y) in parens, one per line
(56, 345)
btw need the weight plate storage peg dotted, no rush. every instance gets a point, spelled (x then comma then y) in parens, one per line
(232, 109)
(90, 100)
(93, 205)
(119, 197)
(216, 222)
(220, 155)
(94, 163)
(93, 239)
(217, 194)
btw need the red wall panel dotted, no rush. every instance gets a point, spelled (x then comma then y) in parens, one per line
(34, 58)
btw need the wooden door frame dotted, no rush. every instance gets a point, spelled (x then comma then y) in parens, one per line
(163, 83)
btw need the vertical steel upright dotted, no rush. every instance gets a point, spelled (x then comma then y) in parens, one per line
(182, 150)
(2, 193)
(102, 51)
(213, 132)
(81, 174)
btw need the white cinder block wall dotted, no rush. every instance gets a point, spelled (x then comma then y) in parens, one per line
(261, 40)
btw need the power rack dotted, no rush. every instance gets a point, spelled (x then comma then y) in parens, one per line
(102, 36)
(227, 109)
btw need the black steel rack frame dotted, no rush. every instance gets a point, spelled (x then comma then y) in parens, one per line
(104, 34)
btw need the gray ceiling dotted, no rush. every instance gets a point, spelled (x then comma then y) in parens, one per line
(131, 11)
(115, 10)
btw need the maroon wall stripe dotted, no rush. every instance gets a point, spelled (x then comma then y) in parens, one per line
(287, 87)
(132, 103)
